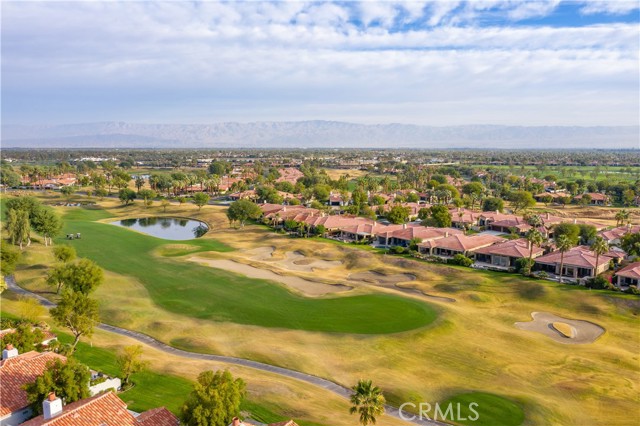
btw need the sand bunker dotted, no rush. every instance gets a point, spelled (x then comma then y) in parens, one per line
(261, 253)
(380, 278)
(562, 330)
(308, 288)
(293, 260)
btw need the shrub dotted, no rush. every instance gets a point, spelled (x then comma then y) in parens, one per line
(542, 275)
(460, 259)
(397, 249)
(524, 265)
(598, 282)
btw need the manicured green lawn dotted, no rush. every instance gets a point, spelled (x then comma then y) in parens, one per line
(215, 294)
(491, 410)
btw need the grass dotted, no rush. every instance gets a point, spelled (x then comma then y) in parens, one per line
(490, 410)
(472, 347)
(213, 294)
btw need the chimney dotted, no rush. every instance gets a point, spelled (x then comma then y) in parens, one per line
(284, 208)
(446, 234)
(52, 406)
(497, 211)
(9, 352)
(404, 226)
(548, 216)
(575, 221)
(236, 422)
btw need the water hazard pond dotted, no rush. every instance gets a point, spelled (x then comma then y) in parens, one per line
(168, 228)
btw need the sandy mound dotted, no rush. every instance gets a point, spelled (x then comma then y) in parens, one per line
(293, 260)
(380, 278)
(306, 287)
(561, 329)
(261, 253)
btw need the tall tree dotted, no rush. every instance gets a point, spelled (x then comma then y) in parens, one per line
(599, 247)
(130, 362)
(47, 223)
(563, 244)
(535, 238)
(441, 216)
(19, 227)
(77, 312)
(83, 276)
(368, 401)
(215, 399)
(243, 210)
(200, 199)
(69, 380)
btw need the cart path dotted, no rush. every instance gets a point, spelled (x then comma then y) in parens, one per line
(335, 388)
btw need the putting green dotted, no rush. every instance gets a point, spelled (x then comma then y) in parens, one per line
(490, 410)
(215, 294)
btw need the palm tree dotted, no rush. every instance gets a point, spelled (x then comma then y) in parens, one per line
(563, 244)
(368, 401)
(599, 246)
(535, 238)
(621, 216)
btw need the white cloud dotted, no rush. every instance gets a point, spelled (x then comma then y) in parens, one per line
(612, 7)
(292, 58)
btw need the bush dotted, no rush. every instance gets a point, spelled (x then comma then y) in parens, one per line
(632, 290)
(460, 259)
(524, 265)
(397, 250)
(598, 282)
(541, 275)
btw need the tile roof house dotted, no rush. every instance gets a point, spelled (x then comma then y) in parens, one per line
(289, 174)
(597, 199)
(15, 372)
(505, 254)
(464, 218)
(614, 236)
(401, 235)
(579, 262)
(104, 409)
(457, 244)
(629, 275)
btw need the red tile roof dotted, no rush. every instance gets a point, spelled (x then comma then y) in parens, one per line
(462, 242)
(580, 256)
(617, 233)
(18, 371)
(513, 248)
(424, 233)
(157, 417)
(630, 271)
(104, 409)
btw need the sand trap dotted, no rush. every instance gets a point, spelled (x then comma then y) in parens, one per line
(261, 253)
(562, 330)
(379, 278)
(308, 288)
(293, 260)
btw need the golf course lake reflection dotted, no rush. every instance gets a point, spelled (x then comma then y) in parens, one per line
(168, 228)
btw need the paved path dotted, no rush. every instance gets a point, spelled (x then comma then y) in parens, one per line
(285, 372)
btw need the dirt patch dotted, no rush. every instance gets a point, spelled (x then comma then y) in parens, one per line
(306, 287)
(261, 253)
(375, 277)
(561, 329)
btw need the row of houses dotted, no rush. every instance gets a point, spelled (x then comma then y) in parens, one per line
(485, 249)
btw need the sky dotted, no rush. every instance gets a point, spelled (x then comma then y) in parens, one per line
(511, 62)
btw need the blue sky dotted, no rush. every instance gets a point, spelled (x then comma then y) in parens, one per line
(428, 62)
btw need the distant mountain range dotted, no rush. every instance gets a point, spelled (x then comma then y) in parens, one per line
(315, 134)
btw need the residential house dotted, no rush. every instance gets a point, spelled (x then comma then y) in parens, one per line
(464, 218)
(401, 235)
(614, 236)
(629, 275)
(336, 200)
(16, 371)
(505, 254)
(457, 244)
(104, 409)
(579, 262)
(597, 199)
(289, 174)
